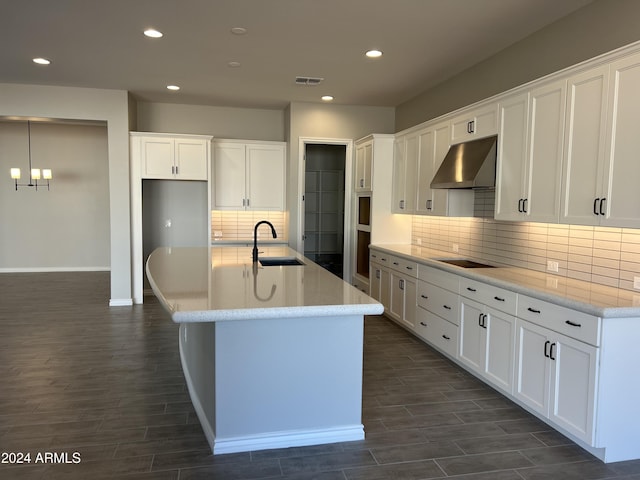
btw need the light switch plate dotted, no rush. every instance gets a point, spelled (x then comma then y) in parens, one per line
(455, 247)
(636, 283)
(552, 266)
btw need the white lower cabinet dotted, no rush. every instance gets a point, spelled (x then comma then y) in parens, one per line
(486, 342)
(556, 376)
(403, 299)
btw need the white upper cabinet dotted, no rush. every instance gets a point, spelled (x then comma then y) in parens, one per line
(584, 150)
(405, 161)
(248, 175)
(174, 158)
(530, 154)
(364, 165)
(619, 203)
(477, 123)
(433, 144)
(600, 183)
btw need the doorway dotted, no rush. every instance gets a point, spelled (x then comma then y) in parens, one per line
(324, 205)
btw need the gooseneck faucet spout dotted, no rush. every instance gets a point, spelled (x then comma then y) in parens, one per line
(255, 237)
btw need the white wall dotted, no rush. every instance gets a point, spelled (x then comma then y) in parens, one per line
(314, 120)
(66, 227)
(221, 122)
(89, 104)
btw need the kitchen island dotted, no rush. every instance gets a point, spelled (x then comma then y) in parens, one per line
(272, 356)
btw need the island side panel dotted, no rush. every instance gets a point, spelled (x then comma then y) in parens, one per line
(288, 382)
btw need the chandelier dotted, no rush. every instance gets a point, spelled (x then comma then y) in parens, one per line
(34, 173)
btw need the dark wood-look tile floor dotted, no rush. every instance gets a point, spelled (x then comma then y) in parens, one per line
(106, 384)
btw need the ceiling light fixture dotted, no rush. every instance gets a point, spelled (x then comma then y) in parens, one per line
(374, 54)
(153, 33)
(174, 88)
(34, 173)
(41, 61)
(327, 98)
(238, 30)
(233, 64)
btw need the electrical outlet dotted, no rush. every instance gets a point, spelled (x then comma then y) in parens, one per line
(552, 266)
(636, 283)
(418, 241)
(455, 247)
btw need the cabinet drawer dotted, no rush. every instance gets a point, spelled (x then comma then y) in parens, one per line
(404, 266)
(574, 324)
(496, 297)
(448, 281)
(438, 332)
(439, 301)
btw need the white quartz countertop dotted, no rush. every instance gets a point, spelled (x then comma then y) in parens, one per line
(209, 284)
(591, 298)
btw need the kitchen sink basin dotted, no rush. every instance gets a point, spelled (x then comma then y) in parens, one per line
(279, 261)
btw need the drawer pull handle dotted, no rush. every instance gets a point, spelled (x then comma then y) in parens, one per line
(498, 299)
(533, 310)
(446, 338)
(424, 296)
(396, 263)
(573, 324)
(409, 268)
(423, 324)
(551, 351)
(447, 307)
(546, 348)
(471, 289)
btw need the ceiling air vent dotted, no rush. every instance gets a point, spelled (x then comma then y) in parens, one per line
(308, 81)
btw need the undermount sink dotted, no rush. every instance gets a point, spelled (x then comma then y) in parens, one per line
(279, 261)
(464, 263)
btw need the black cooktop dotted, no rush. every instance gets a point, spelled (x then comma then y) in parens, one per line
(464, 263)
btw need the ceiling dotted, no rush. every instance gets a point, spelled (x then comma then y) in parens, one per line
(99, 44)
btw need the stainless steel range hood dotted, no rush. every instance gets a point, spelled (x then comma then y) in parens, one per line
(468, 165)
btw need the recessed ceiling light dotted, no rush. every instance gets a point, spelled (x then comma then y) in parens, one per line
(173, 87)
(373, 53)
(233, 64)
(327, 98)
(153, 33)
(238, 30)
(41, 61)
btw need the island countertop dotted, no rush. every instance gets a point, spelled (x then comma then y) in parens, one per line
(210, 284)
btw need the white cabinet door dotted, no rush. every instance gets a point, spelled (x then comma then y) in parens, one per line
(531, 385)
(375, 281)
(190, 159)
(573, 386)
(499, 355)
(584, 151)
(512, 156)
(385, 288)
(265, 177)
(364, 162)
(403, 299)
(620, 201)
(157, 158)
(478, 123)
(426, 164)
(405, 161)
(544, 169)
(229, 174)
(472, 342)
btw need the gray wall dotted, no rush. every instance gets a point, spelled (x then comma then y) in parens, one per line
(221, 122)
(67, 227)
(110, 106)
(601, 26)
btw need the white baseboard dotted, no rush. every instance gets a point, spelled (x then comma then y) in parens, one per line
(288, 439)
(120, 302)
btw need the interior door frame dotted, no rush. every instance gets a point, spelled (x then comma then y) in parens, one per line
(347, 258)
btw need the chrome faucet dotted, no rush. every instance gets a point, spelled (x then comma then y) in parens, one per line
(255, 237)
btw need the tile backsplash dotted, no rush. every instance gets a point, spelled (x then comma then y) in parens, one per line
(238, 225)
(606, 256)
